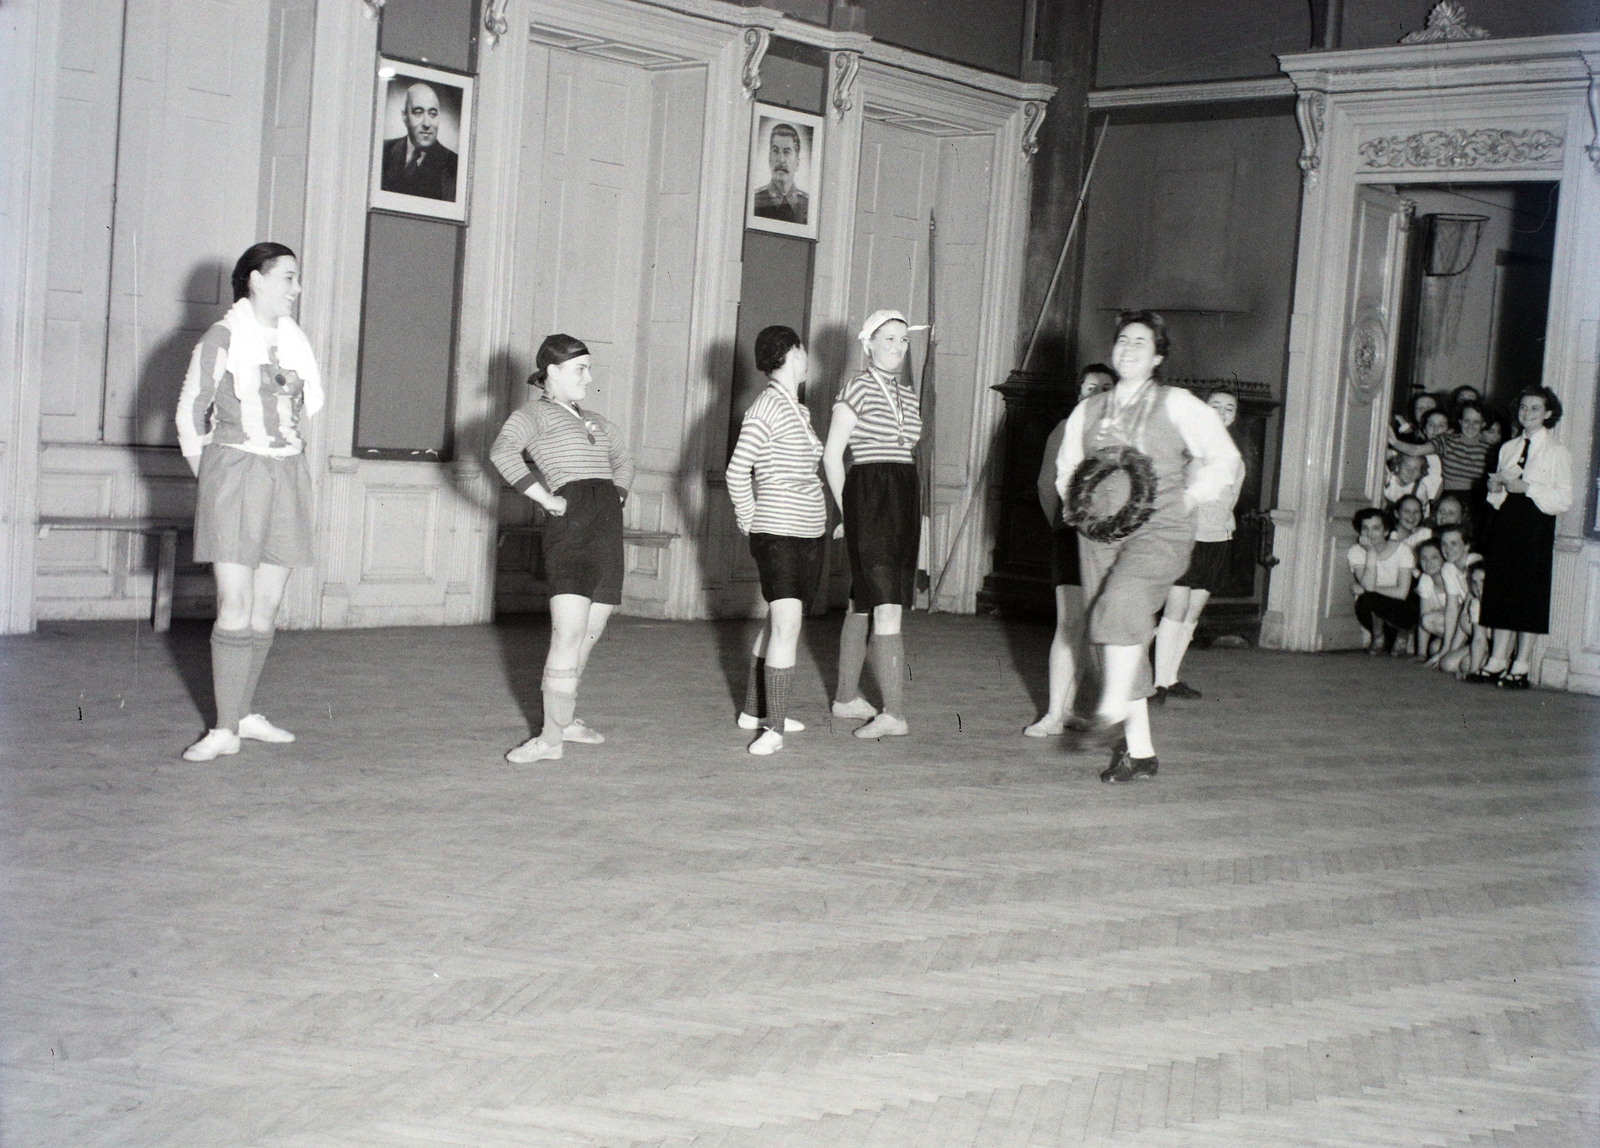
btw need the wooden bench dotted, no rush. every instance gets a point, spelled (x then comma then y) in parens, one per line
(166, 529)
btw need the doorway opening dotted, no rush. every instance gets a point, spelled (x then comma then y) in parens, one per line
(1476, 295)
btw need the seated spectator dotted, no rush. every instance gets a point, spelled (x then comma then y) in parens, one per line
(1410, 429)
(1441, 592)
(1456, 543)
(1449, 511)
(1468, 657)
(1409, 525)
(1382, 569)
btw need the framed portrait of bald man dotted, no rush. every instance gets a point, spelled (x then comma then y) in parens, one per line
(421, 140)
(785, 171)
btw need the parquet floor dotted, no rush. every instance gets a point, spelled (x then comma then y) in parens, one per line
(1356, 909)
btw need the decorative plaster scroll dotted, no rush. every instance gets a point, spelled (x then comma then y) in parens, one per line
(495, 23)
(845, 67)
(373, 7)
(1309, 110)
(1032, 119)
(1592, 148)
(755, 49)
(1447, 21)
(1460, 148)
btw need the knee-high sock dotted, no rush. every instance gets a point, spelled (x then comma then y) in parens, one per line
(1169, 650)
(888, 665)
(560, 692)
(231, 652)
(852, 656)
(260, 647)
(1184, 639)
(777, 682)
(753, 688)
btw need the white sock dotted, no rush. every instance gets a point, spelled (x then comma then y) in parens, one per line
(1169, 651)
(1184, 638)
(1137, 730)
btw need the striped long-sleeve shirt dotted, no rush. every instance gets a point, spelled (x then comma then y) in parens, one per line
(888, 419)
(266, 421)
(565, 447)
(772, 476)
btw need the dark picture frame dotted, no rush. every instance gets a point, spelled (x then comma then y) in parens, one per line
(421, 141)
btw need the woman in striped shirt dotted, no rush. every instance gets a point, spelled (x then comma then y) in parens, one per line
(1464, 455)
(252, 383)
(583, 472)
(778, 501)
(878, 418)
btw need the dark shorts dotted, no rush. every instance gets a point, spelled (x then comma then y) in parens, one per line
(882, 529)
(583, 547)
(1064, 558)
(790, 567)
(1208, 567)
(252, 509)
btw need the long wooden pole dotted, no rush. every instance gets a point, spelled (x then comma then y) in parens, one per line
(1061, 262)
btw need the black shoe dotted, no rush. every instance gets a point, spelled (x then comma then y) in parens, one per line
(1159, 698)
(1143, 767)
(1182, 690)
(1121, 767)
(1482, 678)
(1510, 681)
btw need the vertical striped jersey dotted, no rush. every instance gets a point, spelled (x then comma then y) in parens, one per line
(265, 420)
(772, 476)
(563, 446)
(888, 418)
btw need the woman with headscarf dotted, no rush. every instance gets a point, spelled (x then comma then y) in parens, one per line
(878, 418)
(581, 474)
(1140, 437)
(251, 385)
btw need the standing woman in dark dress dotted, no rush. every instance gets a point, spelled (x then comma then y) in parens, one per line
(251, 385)
(878, 417)
(581, 474)
(778, 502)
(1531, 485)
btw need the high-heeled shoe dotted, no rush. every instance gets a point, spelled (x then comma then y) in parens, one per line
(1513, 681)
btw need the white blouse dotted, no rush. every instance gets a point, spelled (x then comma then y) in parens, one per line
(1548, 471)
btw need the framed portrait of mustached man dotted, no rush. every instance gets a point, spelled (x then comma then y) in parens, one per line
(785, 166)
(421, 140)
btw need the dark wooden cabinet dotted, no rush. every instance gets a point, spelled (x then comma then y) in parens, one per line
(1019, 582)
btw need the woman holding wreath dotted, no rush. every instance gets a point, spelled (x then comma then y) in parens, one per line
(878, 417)
(1156, 452)
(252, 384)
(581, 474)
(778, 502)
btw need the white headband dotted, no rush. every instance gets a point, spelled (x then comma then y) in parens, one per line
(878, 319)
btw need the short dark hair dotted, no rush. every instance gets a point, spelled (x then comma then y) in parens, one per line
(1366, 512)
(1460, 528)
(1402, 500)
(1224, 389)
(1096, 369)
(788, 130)
(1426, 543)
(1552, 405)
(1469, 406)
(773, 346)
(1157, 325)
(255, 259)
(555, 350)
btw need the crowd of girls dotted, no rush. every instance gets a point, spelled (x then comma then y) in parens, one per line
(1459, 572)
(1160, 548)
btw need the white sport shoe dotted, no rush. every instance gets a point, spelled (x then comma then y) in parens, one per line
(855, 708)
(1046, 726)
(257, 728)
(750, 721)
(769, 742)
(577, 730)
(217, 743)
(884, 725)
(533, 750)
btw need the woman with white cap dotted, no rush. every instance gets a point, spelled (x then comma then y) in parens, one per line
(878, 419)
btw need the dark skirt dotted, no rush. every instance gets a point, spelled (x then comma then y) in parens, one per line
(1208, 567)
(1064, 558)
(882, 528)
(1517, 565)
(789, 567)
(583, 547)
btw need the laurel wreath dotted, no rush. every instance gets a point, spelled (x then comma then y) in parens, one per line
(1094, 470)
